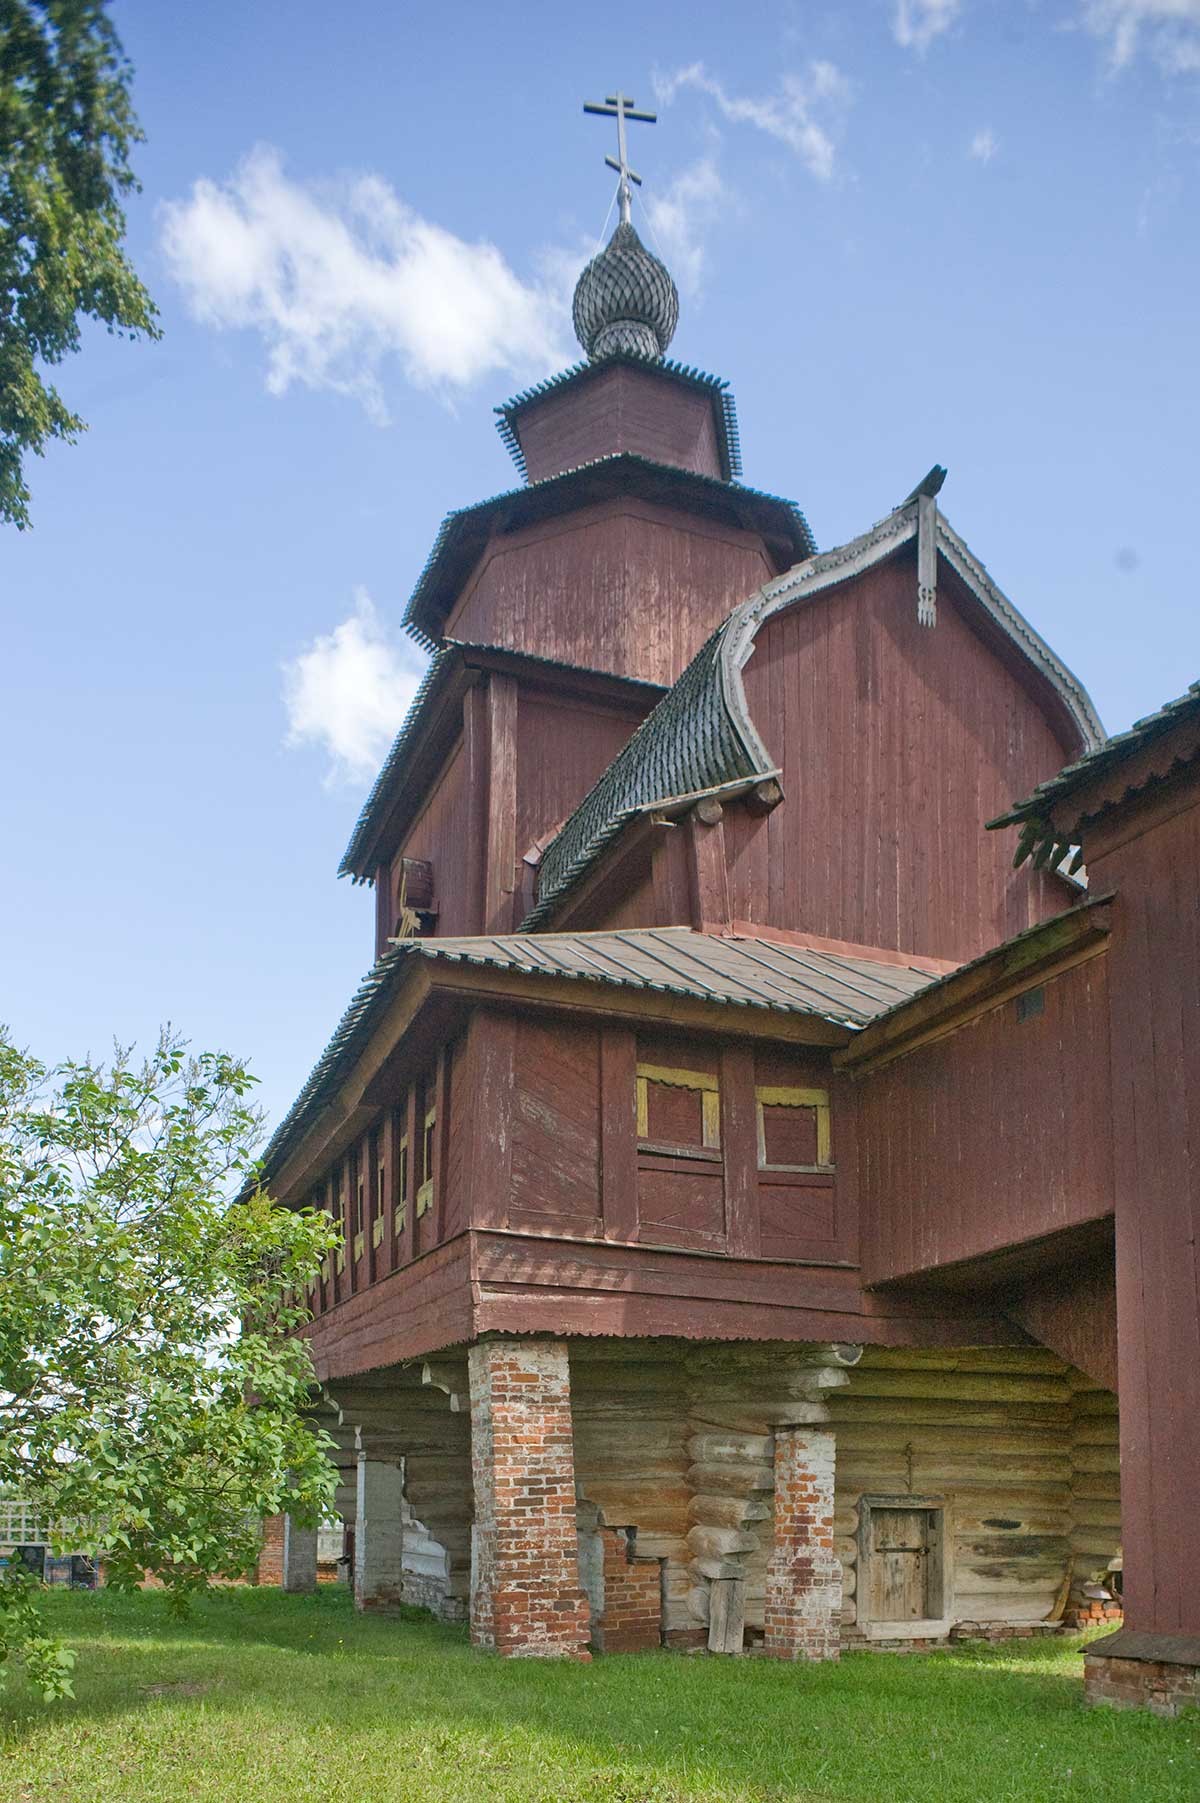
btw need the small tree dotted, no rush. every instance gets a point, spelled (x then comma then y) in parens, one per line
(151, 1384)
(66, 130)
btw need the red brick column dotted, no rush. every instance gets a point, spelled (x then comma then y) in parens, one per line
(632, 1617)
(270, 1558)
(804, 1577)
(526, 1599)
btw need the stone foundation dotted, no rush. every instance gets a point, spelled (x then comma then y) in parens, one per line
(804, 1576)
(1159, 1672)
(526, 1598)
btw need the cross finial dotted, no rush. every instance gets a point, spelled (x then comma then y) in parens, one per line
(620, 107)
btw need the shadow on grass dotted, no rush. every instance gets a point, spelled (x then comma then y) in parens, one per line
(975, 1724)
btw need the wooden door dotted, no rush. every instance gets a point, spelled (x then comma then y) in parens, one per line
(899, 1564)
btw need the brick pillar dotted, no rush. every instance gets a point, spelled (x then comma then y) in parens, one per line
(299, 1557)
(631, 1621)
(526, 1599)
(804, 1577)
(378, 1535)
(270, 1557)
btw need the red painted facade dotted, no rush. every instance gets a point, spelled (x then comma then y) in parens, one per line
(515, 1156)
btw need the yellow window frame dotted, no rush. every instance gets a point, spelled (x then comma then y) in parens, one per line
(775, 1096)
(704, 1081)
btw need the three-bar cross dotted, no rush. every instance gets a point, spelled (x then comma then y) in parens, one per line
(620, 107)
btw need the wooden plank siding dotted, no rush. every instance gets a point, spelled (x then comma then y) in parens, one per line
(896, 742)
(1154, 961)
(997, 1134)
(626, 586)
(620, 409)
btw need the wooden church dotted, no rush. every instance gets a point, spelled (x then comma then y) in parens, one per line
(755, 1188)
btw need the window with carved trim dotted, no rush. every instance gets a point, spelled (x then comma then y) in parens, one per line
(793, 1129)
(678, 1110)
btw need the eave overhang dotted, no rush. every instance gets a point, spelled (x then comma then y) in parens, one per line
(701, 734)
(1063, 812)
(465, 533)
(433, 723)
(664, 976)
(717, 391)
(1043, 951)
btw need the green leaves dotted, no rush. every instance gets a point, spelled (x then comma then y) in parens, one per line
(151, 1387)
(67, 127)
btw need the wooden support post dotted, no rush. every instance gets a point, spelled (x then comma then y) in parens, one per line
(708, 876)
(726, 1615)
(739, 1146)
(501, 878)
(475, 783)
(378, 1534)
(413, 1123)
(618, 1133)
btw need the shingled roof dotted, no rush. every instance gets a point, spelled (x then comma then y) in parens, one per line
(718, 391)
(355, 858)
(756, 973)
(1043, 841)
(700, 737)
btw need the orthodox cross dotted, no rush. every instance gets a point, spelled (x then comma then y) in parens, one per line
(620, 107)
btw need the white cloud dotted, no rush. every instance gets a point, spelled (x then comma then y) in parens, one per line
(984, 145)
(348, 692)
(790, 115)
(341, 280)
(1170, 28)
(915, 23)
(681, 217)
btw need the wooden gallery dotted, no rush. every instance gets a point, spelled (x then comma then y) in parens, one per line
(757, 1186)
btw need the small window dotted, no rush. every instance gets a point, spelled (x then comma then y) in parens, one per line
(678, 1110)
(428, 1130)
(793, 1129)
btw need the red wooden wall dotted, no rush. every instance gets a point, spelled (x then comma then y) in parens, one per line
(897, 743)
(995, 1135)
(624, 586)
(1154, 976)
(620, 409)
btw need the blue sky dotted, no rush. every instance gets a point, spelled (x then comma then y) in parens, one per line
(948, 230)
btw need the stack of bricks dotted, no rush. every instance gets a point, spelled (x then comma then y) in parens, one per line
(632, 1618)
(1162, 1687)
(804, 1576)
(1094, 1613)
(270, 1558)
(526, 1599)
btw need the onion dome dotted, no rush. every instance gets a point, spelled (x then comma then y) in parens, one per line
(625, 300)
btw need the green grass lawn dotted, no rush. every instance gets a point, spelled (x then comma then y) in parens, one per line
(260, 1696)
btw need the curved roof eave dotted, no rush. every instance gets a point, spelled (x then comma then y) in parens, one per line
(589, 831)
(830, 568)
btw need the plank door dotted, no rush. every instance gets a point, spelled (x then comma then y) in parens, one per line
(899, 1564)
